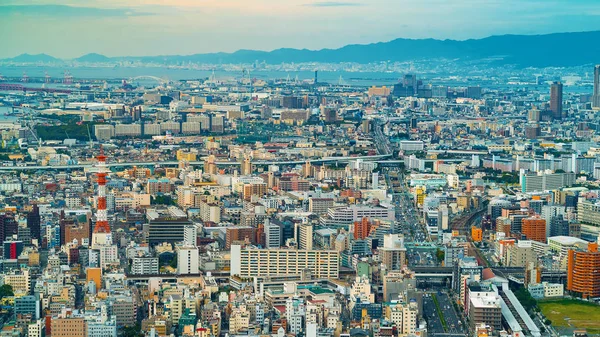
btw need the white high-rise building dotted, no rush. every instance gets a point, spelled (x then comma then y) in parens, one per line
(311, 329)
(144, 266)
(94, 258)
(295, 312)
(102, 326)
(272, 235)
(475, 161)
(362, 288)
(108, 255)
(375, 180)
(36, 329)
(187, 260)
(404, 315)
(190, 233)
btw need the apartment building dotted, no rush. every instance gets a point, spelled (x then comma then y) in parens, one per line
(249, 262)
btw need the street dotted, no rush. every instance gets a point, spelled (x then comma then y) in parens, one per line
(453, 322)
(434, 322)
(449, 316)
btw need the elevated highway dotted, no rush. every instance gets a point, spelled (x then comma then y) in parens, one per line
(194, 163)
(20, 87)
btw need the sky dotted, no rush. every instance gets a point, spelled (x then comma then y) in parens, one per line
(71, 28)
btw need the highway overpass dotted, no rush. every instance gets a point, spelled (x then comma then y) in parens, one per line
(194, 163)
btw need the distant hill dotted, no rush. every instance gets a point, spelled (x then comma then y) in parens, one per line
(29, 58)
(559, 49)
(93, 58)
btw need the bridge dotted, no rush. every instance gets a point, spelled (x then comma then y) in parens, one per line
(147, 77)
(421, 246)
(433, 272)
(193, 163)
(163, 277)
(554, 276)
(447, 271)
(463, 152)
(20, 87)
(391, 163)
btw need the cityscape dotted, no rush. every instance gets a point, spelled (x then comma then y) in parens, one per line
(410, 188)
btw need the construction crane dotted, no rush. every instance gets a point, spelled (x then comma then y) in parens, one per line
(29, 126)
(68, 79)
(90, 136)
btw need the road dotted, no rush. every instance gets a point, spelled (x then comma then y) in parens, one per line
(453, 321)
(463, 225)
(434, 322)
(175, 163)
(408, 222)
(382, 142)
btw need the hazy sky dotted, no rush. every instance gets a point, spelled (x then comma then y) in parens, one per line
(71, 28)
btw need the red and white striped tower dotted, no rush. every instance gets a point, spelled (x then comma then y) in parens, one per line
(101, 235)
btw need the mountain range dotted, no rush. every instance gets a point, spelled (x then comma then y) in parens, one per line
(558, 49)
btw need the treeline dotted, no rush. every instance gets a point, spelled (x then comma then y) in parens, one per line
(67, 131)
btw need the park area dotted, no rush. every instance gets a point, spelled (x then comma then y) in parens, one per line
(572, 314)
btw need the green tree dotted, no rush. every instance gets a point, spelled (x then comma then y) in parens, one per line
(133, 331)
(528, 302)
(62, 132)
(6, 291)
(173, 263)
(440, 254)
(162, 200)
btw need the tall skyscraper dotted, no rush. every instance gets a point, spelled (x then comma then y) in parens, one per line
(187, 260)
(8, 226)
(582, 276)
(246, 166)
(304, 237)
(556, 100)
(596, 96)
(33, 223)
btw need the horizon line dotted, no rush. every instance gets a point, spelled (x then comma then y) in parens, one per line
(297, 49)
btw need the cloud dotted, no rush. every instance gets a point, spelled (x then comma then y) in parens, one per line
(334, 4)
(66, 11)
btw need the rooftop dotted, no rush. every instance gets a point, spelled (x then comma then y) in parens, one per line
(566, 240)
